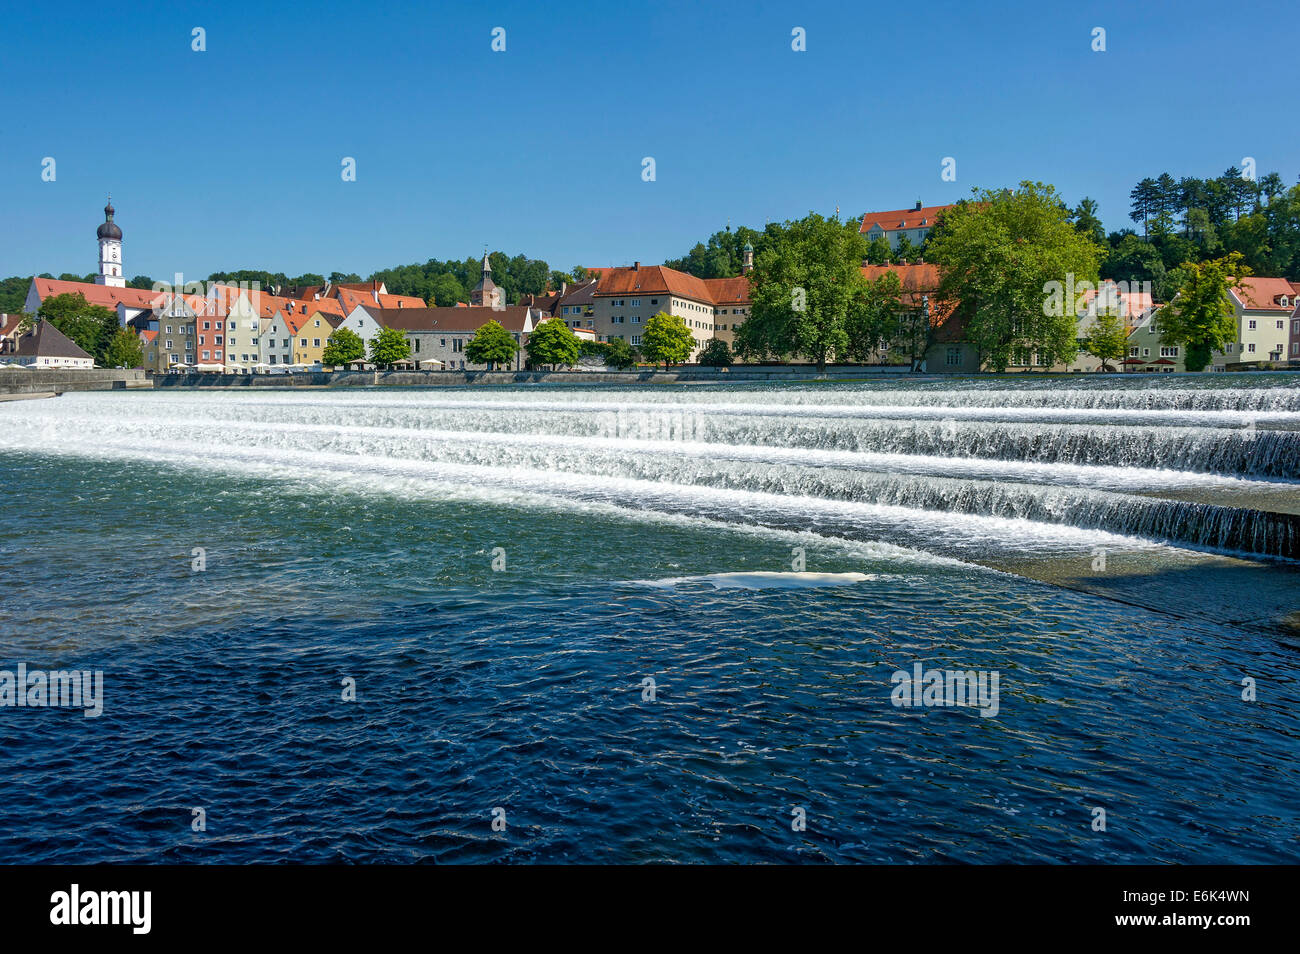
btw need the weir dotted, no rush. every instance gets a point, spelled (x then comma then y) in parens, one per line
(999, 475)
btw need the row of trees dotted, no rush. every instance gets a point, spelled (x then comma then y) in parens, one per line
(552, 344)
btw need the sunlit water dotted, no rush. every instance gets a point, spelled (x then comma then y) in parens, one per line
(1123, 554)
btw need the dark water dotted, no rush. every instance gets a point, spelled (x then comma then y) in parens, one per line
(334, 556)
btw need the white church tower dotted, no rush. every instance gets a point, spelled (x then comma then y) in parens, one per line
(110, 251)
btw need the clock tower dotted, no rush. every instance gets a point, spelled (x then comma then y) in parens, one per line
(110, 251)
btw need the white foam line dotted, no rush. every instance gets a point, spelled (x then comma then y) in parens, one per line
(1119, 479)
(948, 526)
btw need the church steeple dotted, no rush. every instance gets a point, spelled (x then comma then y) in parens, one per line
(110, 250)
(486, 291)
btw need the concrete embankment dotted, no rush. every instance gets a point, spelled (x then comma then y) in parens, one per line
(332, 379)
(56, 381)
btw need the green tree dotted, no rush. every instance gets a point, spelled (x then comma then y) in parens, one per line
(877, 322)
(342, 346)
(716, 353)
(124, 350)
(620, 355)
(552, 343)
(878, 251)
(1004, 259)
(91, 326)
(388, 347)
(1107, 339)
(667, 339)
(905, 253)
(13, 294)
(491, 345)
(1086, 220)
(807, 286)
(1201, 318)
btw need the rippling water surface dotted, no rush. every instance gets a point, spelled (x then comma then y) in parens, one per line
(1122, 552)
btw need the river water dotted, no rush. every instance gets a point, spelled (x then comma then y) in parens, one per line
(657, 624)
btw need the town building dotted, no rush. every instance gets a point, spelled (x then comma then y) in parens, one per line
(731, 302)
(627, 297)
(1294, 353)
(1148, 351)
(915, 223)
(1262, 308)
(47, 347)
(438, 336)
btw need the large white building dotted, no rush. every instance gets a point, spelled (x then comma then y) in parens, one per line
(916, 223)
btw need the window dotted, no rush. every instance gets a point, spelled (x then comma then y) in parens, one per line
(636, 319)
(232, 326)
(205, 356)
(1281, 324)
(636, 339)
(1132, 352)
(315, 342)
(1166, 352)
(303, 343)
(1232, 346)
(1251, 347)
(636, 302)
(207, 326)
(954, 357)
(169, 331)
(218, 341)
(169, 344)
(1251, 324)
(1146, 352)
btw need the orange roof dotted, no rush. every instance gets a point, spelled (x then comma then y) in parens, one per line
(147, 337)
(105, 295)
(729, 291)
(1132, 305)
(913, 218)
(1263, 294)
(350, 298)
(9, 324)
(917, 280)
(652, 279)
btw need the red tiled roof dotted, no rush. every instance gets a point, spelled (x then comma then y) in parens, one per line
(105, 295)
(729, 291)
(917, 280)
(913, 218)
(1262, 294)
(147, 337)
(450, 319)
(650, 280)
(9, 324)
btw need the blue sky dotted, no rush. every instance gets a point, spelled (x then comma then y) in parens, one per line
(231, 157)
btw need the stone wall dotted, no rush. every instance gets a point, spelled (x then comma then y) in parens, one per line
(335, 379)
(66, 379)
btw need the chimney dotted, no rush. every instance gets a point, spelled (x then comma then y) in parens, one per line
(918, 205)
(375, 292)
(636, 266)
(564, 287)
